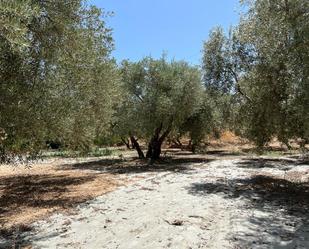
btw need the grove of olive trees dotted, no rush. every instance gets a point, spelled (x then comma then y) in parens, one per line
(99, 151)
(59, 82)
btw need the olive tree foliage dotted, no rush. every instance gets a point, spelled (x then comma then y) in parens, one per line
(57, 79)
(160, 96)
(278, 79)
(263, 64)
(221, 68)
(89, 84)
(200, 123)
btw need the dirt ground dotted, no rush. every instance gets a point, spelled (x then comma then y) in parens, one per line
(222, 199)
(32, 192)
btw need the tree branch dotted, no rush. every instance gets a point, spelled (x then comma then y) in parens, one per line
(238, 89)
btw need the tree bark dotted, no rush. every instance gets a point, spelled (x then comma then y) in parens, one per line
(2, 154)
(126, 142)
(193, 148)
(135, 144)
(154, 146)
(177, 142)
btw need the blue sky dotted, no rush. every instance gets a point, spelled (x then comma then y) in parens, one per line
(177, 27)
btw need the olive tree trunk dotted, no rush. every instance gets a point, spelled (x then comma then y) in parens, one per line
(126, 142)
(136, 146)
(154, 146)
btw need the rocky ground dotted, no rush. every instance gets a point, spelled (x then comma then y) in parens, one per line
(238, 202)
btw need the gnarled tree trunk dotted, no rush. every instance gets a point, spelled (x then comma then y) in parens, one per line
(126, 142)
(135, 145)
(154, 146)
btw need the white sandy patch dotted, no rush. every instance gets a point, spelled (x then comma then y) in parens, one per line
(194, 208)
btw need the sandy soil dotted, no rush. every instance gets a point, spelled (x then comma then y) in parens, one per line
(231, 203)
(32, 192)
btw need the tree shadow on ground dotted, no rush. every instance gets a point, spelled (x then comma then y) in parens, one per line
(19, 193)
(135, 166)
(288, 163)
(270, 195)
(271, 149)
(216, 153)
(223, 153)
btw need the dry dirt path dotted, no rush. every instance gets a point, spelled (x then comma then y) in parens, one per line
(211, 205)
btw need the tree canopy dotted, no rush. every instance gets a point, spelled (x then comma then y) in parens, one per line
(59, 82)
(263, 65)
(160, 97)
(57, 77)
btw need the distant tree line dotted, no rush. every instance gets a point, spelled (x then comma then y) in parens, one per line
(60, 85)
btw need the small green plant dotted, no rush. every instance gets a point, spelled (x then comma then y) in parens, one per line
(95, 152)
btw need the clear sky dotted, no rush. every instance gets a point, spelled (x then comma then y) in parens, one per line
(177, 27)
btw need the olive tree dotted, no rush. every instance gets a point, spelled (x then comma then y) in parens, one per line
(57, 79)
(160, 96)
(200, 123)
(87, 83)
(263, 65)
(278, 79)
(223, 64)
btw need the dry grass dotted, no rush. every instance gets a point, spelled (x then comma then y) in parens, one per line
(228, 141)
(29, 194)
